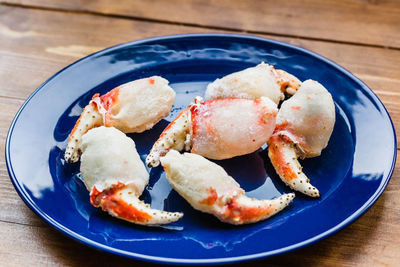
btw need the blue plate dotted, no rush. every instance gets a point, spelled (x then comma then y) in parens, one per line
(351, 173)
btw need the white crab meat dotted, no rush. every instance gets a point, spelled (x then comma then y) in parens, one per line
(208, 188)
(115, 176)
(262, 80)
(303, 128)
(132, 108)
(218, 129)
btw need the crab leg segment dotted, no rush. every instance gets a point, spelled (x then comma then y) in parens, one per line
(208, 188)
(304, 126)
(244, 210)
(218, 129)
(90, 118)
(131, 108)
(121, 201)
(283, 155)
(177, 136)
(262, 80)
(115, 176)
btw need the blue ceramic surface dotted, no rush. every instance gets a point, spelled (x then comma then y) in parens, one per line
(351, 173)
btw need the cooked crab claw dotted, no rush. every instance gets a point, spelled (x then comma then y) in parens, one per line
(90, 118)
(303, 127)
(132, 108)
(253, 83)
(208, 188)
(115, 176)
(218, 129)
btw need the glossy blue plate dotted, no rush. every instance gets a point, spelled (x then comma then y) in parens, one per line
(351, 173)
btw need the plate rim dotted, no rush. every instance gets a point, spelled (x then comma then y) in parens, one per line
(156, 259)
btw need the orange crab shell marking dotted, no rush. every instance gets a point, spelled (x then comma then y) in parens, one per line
(172, 123)
(106, 100)
(262, 119)
(93, 197)
(238, 213)
(110, 98)
(278, 159)
(296, 107)
(299, 140)
(286, 126)
(96, 196)
(194, 111)
(78, 122)
(211, 199)
(285, 80)
(109, 200)
(282, 126)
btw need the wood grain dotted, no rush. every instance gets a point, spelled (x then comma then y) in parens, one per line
(46, 247)
(38, 49)
(37, 42)
(355, 21)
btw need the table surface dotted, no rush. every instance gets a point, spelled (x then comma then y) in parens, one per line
(39, 37)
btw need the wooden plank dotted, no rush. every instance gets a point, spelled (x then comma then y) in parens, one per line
(35, 43)
(357, 21)
(33, 48)
(50, 46)
(13, 208)
(42, 246)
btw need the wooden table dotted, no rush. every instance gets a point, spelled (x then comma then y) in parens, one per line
(39, 37)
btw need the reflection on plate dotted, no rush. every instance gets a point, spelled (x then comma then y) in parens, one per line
(351, 173)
